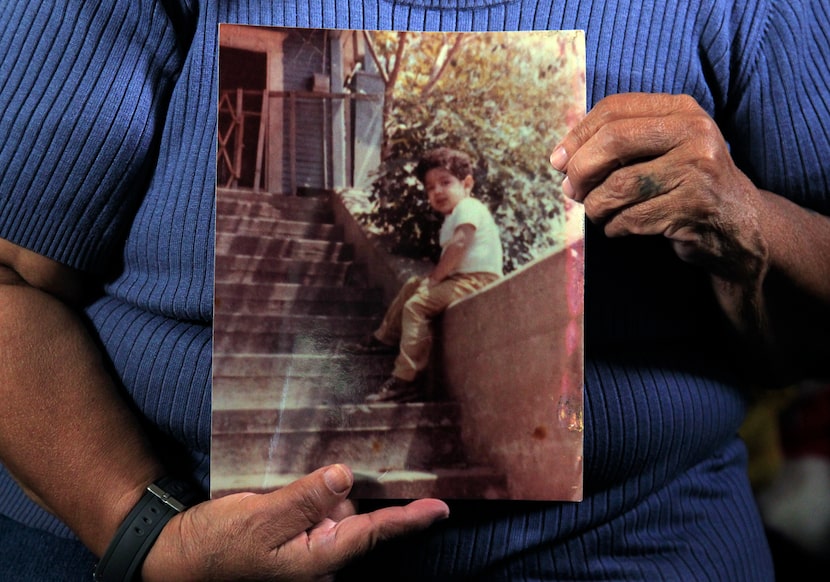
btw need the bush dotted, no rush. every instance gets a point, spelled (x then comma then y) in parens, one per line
(505, 104)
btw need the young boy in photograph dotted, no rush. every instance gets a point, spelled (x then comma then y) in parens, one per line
(471, 257)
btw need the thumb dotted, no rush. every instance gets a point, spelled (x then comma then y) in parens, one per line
(307, 501)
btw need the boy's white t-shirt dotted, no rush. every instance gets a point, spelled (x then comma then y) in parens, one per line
(484, 255)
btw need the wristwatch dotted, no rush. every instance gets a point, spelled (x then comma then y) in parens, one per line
(162, 500)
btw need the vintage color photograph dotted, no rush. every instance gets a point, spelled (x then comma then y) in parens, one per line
(399, 279)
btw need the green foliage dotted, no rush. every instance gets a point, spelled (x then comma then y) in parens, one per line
(504, 99)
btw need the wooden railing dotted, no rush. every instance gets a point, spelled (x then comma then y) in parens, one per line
(238, 107)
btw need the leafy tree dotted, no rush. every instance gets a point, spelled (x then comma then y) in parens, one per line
(505, 99)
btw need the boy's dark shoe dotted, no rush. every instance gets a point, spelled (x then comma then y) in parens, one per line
(369, 345)
(396, 390)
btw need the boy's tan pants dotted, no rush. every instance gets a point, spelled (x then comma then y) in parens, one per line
(407, 320)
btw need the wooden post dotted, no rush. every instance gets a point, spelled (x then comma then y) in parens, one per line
(292, 141)
(260, 145)
(240, 121)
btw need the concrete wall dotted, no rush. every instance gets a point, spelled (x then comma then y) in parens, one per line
(384, 270)
(512, 357)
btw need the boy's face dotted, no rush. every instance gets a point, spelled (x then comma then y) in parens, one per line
(444, 190)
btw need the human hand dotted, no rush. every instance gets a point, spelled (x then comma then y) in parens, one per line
(428, 282)
(657, 164)
(304, 531)
(646, 164)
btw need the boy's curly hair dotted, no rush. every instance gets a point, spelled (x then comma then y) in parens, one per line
(454, 161)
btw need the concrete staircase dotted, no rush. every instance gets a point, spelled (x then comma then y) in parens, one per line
(285, 399)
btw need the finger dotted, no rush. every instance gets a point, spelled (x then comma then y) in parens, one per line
(632, 185)
(303, 503)
(683, 217)
(699, 231)
(343, 510)
(614, 146)
(391, 522)
(691, 238)
(659, 197)
(663, 216)
(630, 141)
(333, 547)
(614, 108)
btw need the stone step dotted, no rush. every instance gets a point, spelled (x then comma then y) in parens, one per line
(287, 248)
(267, 209)
(249, 194)
(297, 299)
(333, 384)
(238, 269)
(285, 342)
(293, 380)
(321, 343)
(278, 416)
(307, 200)
(443, 483)
(241, 365)
(236, 203)
(381, 437)
(323, 326)
(351, 417)
(269, 226)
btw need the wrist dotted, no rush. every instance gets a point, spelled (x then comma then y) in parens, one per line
(160, 502)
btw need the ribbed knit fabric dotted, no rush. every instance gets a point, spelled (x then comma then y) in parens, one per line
(108, 118)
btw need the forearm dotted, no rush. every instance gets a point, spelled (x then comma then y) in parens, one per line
(449, 261)
(453, 253)
(778, 298)
(69, 438)
(796, 290)
(799, 244)
(65, 433)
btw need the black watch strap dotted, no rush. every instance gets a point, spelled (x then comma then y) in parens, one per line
(132, 542)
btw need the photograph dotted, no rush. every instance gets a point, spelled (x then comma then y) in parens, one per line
(398, 276)
(414, 290)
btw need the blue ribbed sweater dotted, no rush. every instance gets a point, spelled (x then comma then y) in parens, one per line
(108, 120)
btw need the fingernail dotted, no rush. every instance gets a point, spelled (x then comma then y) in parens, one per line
(338, 479)
(567, 189)
(559, 158)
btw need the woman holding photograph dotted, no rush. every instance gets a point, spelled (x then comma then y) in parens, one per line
(707, 276)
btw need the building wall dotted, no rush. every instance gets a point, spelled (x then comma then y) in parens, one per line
(269, 42)
(306, 56)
